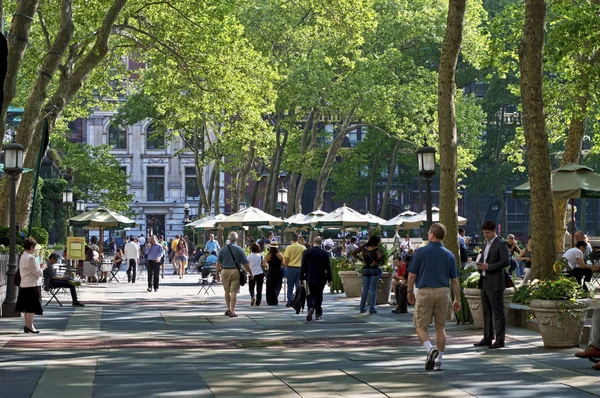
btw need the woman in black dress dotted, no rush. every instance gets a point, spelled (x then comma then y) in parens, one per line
(274, 274)
(29, 300)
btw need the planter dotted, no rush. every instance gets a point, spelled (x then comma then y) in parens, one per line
(384, 289)
(473, 297)
(352, 282)
(560, 321)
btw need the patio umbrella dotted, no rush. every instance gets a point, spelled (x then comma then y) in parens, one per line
(417, 220)
(396, 222)
(568, 182)
(344, 217)
(208, 222)
(101, 218)
(373, 218)
(297, 220)
(250, 216)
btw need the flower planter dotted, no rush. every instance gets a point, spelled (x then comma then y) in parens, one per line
(352, 283)
(560, 321)
(384, 289)
(473, 297)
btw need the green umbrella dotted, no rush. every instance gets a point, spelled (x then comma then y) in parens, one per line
(101, 218)
(568, 182)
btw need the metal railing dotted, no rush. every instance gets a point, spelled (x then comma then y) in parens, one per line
(3, 268)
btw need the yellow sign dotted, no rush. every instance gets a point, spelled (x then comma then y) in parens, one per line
(75, 248)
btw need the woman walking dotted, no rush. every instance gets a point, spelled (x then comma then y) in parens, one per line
(372, 257)
(182, 256)
(29, 300)
(274, 275)
(258, 265)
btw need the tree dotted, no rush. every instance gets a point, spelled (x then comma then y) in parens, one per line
(536, 137)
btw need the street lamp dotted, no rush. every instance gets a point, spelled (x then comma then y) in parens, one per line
(13, 166)
(282, 198)
(186, 212)
(243, 205)
(80, 206)
(67, 200)
(426, 160)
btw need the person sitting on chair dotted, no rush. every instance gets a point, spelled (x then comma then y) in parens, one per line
(211, 261)
(580, 270)
(61, 281)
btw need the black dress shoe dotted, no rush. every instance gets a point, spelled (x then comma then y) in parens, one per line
(483, 343)
(497, 344)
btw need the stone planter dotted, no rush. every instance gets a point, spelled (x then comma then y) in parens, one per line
(384, 289)
(473, 297)
(560, 321)
(352, 282)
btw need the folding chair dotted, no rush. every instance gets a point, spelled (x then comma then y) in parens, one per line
(113, 274)
(141, 269)
(52, 291)
(208, 279)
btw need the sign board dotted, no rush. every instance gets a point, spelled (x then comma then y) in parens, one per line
(76, 248)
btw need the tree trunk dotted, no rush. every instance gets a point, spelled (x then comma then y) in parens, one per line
(447, 123)
(303, 178)
(499, 185)
(388, 186)
(199, 169)
(20, 27)
(292, 194)
(244, 174)
(67, 88)
(294, 176)
(571, 155)
(256, 186)
(478, 219)
(536, 138)
(217, 188)
(332, 153)
(373, 194)
(211, 187)
(275, 171)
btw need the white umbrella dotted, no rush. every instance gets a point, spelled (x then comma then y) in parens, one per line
(208, 222)
(297, 220)
(397, 222)
(417, 221)
(373, 218)
(344, 217)
(250, 216)
(313, 216)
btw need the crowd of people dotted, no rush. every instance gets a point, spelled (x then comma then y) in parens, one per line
(423, 276)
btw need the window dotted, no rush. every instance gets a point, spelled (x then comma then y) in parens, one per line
(117, 137)
(155, 179)
(191, 185)
(154, 140)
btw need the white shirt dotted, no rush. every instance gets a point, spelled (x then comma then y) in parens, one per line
(255, 261)
(572, 255)
(132, 251)
(486, 252)
(328, 242)
(405, 245)
(31, 273)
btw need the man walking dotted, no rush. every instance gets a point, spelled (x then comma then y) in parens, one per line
(492, 284)
(316, 271)
(228, 257)
(212, 245)
(432, 269)
(132, 256)
(154, 253)
(292, 260)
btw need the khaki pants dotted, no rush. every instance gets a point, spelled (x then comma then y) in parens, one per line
(432, 303)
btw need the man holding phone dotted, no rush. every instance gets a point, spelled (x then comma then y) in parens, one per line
(492, 283)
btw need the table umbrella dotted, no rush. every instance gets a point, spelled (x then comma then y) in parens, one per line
(396, 222)
(297, 221)
(250, 216)
(373, 218)
(208, 222)
(568, 182)
(344, 217)
(417, 220)
(101, 218)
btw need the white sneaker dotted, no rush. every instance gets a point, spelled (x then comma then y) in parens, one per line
(437, 366)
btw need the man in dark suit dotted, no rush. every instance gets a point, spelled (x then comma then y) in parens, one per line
(494, 260)
(316, 271)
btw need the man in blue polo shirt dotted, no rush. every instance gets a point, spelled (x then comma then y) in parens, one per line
(432, 269)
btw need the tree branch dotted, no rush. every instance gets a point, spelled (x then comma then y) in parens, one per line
(44, 30)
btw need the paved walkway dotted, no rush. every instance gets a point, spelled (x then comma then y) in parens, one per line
(127, 342)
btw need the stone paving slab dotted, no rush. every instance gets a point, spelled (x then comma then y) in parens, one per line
(127, 342)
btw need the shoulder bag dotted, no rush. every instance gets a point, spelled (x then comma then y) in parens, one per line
(243, 277)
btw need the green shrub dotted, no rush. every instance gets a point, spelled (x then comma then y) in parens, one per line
(561, 288)
(40, 235)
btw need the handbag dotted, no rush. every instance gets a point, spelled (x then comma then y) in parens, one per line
(243, 277)
(17, 280)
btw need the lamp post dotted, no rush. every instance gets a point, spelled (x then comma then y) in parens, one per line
(67, 199)
(80, 206)
(426, 160)
(282, 198)
(13, 166)
(186, 213)
(243, 205)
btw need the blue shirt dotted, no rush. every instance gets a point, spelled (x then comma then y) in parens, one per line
(434, 266)
(154, 252)
(212, 259)
(212, 246)
(227, 261)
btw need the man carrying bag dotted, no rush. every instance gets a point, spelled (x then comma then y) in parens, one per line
(229, 260)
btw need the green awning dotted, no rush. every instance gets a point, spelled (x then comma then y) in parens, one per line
(569, 181)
